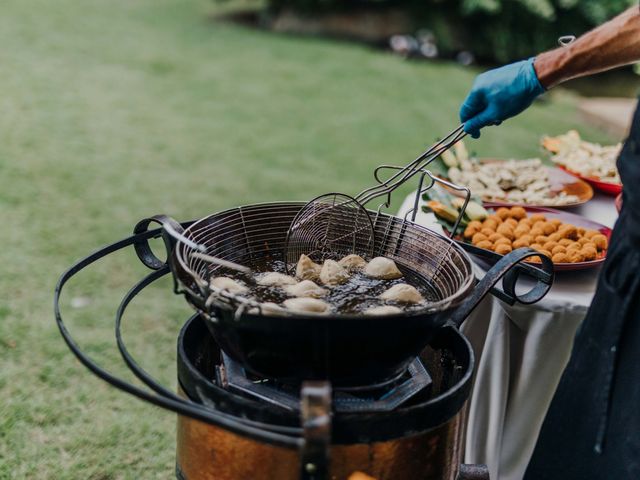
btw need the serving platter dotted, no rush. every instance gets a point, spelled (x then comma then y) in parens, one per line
(560, 181)
(609, 188)
(566, 217)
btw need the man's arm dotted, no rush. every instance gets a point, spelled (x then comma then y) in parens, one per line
(611, 45)
(504, 92)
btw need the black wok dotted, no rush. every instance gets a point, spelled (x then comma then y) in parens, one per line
(348, 350)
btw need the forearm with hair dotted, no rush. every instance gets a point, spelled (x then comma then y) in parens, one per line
(611, 45)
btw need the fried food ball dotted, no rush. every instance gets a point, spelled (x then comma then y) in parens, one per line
(475, 224)
(495, 237)
(568, 231)
(525, 221)
(575, 256)
(478, 237)
(528, 238)
(506, 230)
(520, 243)
(488, 231)
(590, 233)
(511, 221)
(486, 244)
(600, 241)
(558, 249)
(589, 254)
(538, 217)
(549, 246)
(469, 232)
(590, 245)
(496, 218)
(539, 224)
(560, 257)
(536, 246)
(584, 240)
(549, 228)
(502, 241)
(565, 242)
(521, 230)
(542, 239)
(536, 232)
(556, 221)
(503, 213)
(518, 213)
(503, 249)
(534, 259)
(555, 237)
(489, 224)
(573, 246)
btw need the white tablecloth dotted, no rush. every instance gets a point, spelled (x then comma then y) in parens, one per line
(521, 351)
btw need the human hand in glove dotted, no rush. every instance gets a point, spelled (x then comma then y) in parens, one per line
(499, 94)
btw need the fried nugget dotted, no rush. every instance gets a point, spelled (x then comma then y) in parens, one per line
(520, 243)
(469, 232)
(518, 213)
(560, 257)
(506, 230)
(549, 246)
(511, 221)
(475, 224)
(538, 217)
(503, 213)
(565, 242)
(488, 231)
(486, 244)
(555, 237)
(600, 241)
(478, 237)
(568, 231)
(549, 228)
(558, 249)
(590, 233)
(521, 230)
(489, 223)
(495, 237)
(495, 218)
(589, 254)
(503, 249)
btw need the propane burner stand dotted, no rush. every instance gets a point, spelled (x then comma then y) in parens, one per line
(377, 398)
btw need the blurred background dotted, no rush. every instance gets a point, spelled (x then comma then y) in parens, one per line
(112, 111)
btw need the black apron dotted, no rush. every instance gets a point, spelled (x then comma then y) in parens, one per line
(592, 428)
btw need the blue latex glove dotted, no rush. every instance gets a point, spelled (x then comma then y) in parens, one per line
(499, 94)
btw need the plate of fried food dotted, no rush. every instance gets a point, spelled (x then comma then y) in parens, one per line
(571, 241)
(514, 182)
(591, 162)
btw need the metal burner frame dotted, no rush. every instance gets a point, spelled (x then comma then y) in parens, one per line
(231, 375)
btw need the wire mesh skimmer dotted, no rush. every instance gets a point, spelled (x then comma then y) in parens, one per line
(338, 223)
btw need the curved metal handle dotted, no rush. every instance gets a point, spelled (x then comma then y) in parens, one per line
(171, 231)
(504, 268)
(172, 403)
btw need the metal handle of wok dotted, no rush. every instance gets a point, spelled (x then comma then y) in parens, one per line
(509, 268)
(284, 436)
(413, 168)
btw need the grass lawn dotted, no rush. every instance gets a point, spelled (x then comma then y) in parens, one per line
(111, 111)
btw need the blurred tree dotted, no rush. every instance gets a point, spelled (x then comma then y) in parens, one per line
(494, 30)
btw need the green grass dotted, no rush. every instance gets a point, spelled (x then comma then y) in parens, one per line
(111, 111)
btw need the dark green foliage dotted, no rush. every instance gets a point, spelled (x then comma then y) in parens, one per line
(496, 30)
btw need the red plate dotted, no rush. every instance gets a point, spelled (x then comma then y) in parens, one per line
(612, 189)
(565, 217)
